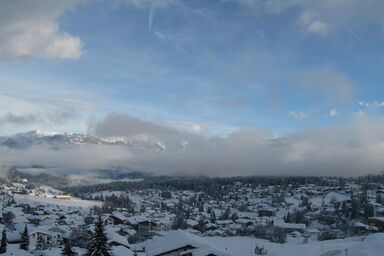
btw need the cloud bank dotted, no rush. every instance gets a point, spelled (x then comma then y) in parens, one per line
(30, 29)
(350, 150)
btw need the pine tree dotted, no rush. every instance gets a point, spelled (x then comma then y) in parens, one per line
(355, 207)
(3, 245)
(24, 243)
(179, 221)
(201, 223)
(234, 216)
(288, 218)
(213, 216)
(99, 246)
(226, 214)
(41, 245)
(67, 249)
(369, 211)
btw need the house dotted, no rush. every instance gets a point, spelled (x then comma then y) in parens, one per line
(112, 220)
(327, 218)
(178, 242)
(115, 239)
(225, 223)
(63, 197)
(290, 227)
(121, 251)
(359, 228)
(245, 222)
(134, 221)
(49, 237)
(312, 215)
(147, 226)
(267, 212)
(377, 222)
(312, 232)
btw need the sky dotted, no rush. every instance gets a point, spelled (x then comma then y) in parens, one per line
(306, 72)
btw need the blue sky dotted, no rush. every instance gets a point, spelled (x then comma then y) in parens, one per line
(203, 66)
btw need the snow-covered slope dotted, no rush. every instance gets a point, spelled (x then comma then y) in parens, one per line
(28, 139)
(371, 245)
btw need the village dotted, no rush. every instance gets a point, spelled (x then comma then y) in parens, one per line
(161, 222)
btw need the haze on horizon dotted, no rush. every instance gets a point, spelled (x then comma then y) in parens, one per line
(230, 87)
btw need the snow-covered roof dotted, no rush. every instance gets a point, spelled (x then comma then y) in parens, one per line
(115, 237)
(339, 197)
(137, 219)
(377, 218)
(121, 251)
(177, 239)
(281, 224)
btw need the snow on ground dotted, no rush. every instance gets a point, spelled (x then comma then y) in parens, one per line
(358, 246)
(50, 190)
(13, 249)
(336, 196)
(73, 202)
(371, 246)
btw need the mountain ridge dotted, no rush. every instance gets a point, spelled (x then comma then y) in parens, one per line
(36, 137)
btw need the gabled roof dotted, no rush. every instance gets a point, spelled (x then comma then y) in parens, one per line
(177, 239)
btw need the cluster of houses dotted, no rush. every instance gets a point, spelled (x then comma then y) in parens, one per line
(300, 212)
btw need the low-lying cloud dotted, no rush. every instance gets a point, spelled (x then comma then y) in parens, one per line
(346, 151)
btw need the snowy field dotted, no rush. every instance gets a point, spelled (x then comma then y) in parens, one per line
(73, 202)
(372, 245)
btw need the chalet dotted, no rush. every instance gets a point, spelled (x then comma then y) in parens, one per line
(290, 227)
(312, 215)
(112, 220)
(224, 223)
(359, 228)
(327, 218)
(134, 221)
(115, 239)
(63, 197)
(245, 222)
(312, 232)
(147, 226)
(50, 238)
(266, 212)
(178, 242)
(377, 222)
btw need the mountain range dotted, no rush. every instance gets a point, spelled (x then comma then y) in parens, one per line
(36, 137)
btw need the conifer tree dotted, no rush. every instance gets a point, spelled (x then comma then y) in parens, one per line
(3, 245)
(213, 216)
(24, 242)
(99, 245)
(67, 249)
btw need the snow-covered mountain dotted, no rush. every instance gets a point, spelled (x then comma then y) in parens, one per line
(28, 139)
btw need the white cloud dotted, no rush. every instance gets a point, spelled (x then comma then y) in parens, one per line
(372, 108)
(313, 25)
(371, 105)
(18, 113)
(297, 114)
(353, 149)
(321, 17)
(318, 27)
(333, 112)
(186, 126)
(31, 29)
